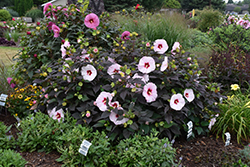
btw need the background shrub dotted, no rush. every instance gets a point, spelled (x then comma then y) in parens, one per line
(11, 158)
(229, 66)
(34, 14)
(4, 15)
(12, 12)
(209, 18)
(230, 33)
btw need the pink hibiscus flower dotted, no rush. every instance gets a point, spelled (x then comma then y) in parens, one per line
(114, 118)
(114, 69)
(12, 85)
(86, 58)
(177, 102)
(89, 72)
(63, 46)
(46, 7)
(164, 64)
(56, 30)
(175, 46)
(125, 35)
(150, 92)
(56, 114)
(146, 64)
(91, 21)
(160, 46)
(189, 94)
(102, 99)
(50, 25)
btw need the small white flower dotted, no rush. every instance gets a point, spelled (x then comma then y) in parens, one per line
(189, 94)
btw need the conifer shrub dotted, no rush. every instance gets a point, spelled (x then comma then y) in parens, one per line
(4, 15)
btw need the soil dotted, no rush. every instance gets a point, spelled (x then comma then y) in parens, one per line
(202, 151)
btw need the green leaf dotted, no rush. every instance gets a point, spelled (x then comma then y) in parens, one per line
(199, 130)
(204, 123)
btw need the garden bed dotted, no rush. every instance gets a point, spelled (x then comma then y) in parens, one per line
(201, 151)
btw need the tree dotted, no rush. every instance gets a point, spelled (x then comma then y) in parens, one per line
(246, 1)
(151, 5)
(237, 9)
(22, 6)
(200, 4)
(115, 5)
(6, 3)
(174, 4)
(230, 1)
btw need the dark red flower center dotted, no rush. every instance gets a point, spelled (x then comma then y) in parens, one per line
(58, 115)
(149, 92)
(176, 101)
(160, 46)
(146, 65)
(91, 21)
(115, 105)
(89, 72)
(187, 95)
(104, 100)
(116, 115)
(115, 71)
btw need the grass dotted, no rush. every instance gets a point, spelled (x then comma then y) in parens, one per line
(7, 53)
(172, 28)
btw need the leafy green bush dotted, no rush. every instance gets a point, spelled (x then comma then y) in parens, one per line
(98, 154)
(10, 158)
(209, 18)
(4, 15)
(145, 151)
(34, 14)
(40, 132)
(6, 142)
(172, 28)
(12, 12)
(231, 33)
(234, 116)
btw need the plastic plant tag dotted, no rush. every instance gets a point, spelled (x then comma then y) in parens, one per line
(84, 147)
(2, 103)
(2, 98)
(228, 137)
(190, 126)
(4, 95)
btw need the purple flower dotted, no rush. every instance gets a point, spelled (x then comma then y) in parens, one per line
(125, 35)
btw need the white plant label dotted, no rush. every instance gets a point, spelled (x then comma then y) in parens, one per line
(2, 103)
(4, 95)
(228, 137)
(2, 98)
(84, 147)
(190, 127)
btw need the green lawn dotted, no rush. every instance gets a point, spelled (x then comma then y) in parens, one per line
(6, 54)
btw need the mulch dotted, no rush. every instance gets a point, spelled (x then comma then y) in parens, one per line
(202, 151)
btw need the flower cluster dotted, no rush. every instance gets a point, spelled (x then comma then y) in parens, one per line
(21, 101)
(238, 21)
(16, 25)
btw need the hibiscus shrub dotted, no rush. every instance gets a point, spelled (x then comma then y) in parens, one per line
(123, 85)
